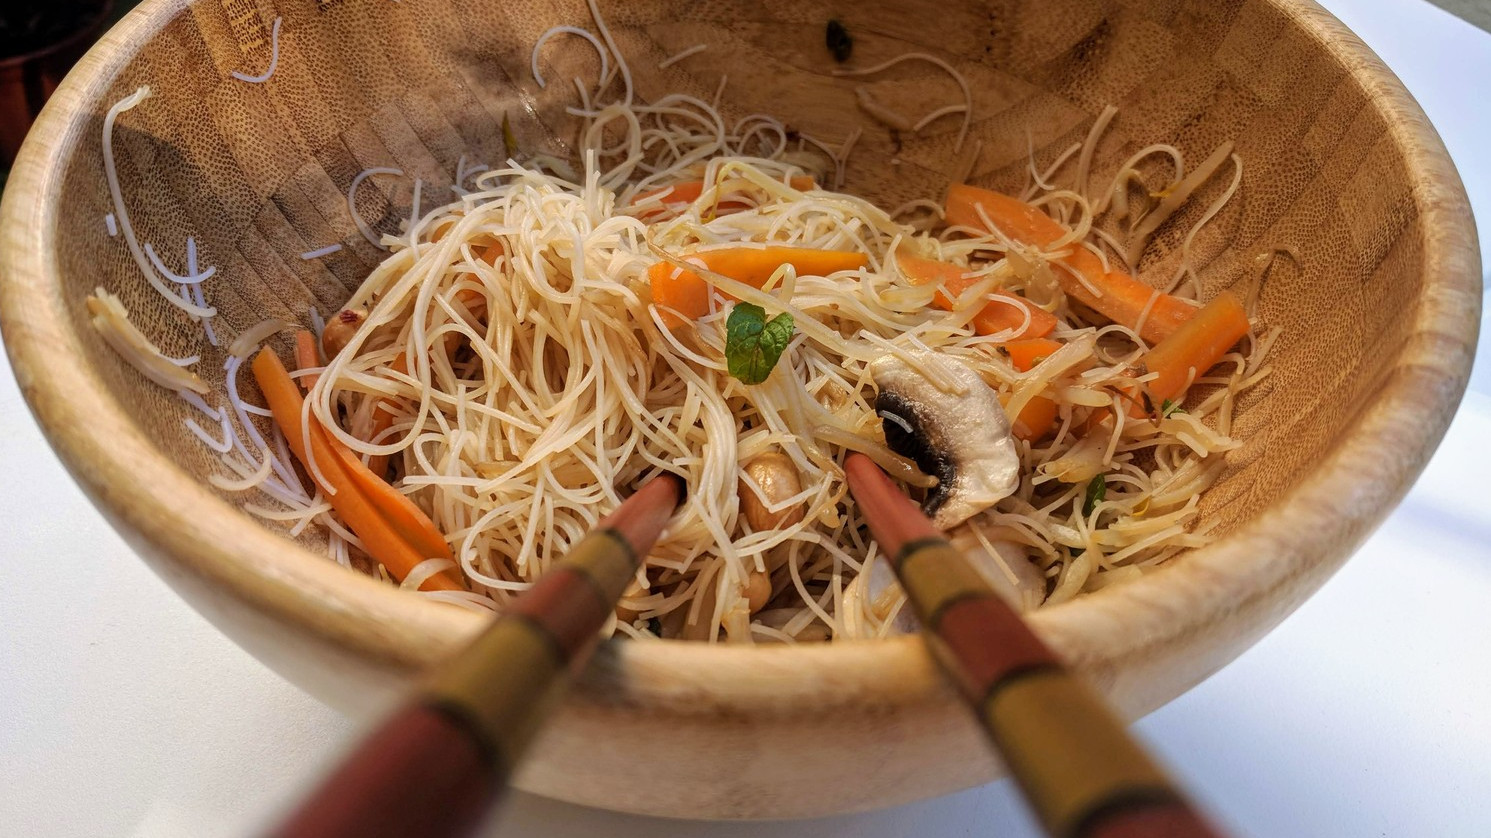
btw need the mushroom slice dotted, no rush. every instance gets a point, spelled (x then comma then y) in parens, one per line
(962, 439)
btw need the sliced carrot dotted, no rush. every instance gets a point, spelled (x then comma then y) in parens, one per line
(755, 265)
(1039, 414)
(490, 253)
(685, 192)
(1193, 349)
(1025, 354)
(1120, 297)
(688, 191)
(1000, 315)
(1035, 420)
(923, 271)
(395, 531)
(1006, 312)
(684, 292)
(403, 514)
(307, 356)
(406, 518)
(688, 293)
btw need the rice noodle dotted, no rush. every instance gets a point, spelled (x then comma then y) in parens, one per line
(566, 30)
(274, 58)
(111, 174)
(111, 320)
(871, 106)
(362, 226)
(317, 253)
(1186, 269)
(572, 384)
(1084, 162)
(192, 276)
(530, 389)
(959, 78)
(677, 57)
(243, 484)
(249, 340)
(1175, 198)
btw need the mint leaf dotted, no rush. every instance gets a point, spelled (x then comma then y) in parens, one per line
(1097, 489)
(753, 344)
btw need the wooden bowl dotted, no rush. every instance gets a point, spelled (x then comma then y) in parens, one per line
(1379, 322)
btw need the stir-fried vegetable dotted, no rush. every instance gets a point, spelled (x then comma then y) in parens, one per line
(688, 191)
(1193, 349)
(1114, 294)
(686, 293)
(753, 344)
(394, 530)
(1004, 312)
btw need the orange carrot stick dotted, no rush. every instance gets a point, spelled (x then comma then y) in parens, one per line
(1193, 349)
(1120, 297)
(307, 356)
(414, 526)
(688, 293)
(395, 531)
(999, 315)
(1004, 312)
(406, 518)
(1035, 419)
(1039, 414)
(923, 271)
(1025, 354)
(755, 265)
(682, 291)
(688, 191)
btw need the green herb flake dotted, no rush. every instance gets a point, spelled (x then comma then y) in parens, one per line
(509, 141)
(753, 344)
(839, 43)
(1097, 489)
(1168, 407)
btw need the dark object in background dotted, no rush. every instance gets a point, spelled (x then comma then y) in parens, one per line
(838, 41)
(40, 40)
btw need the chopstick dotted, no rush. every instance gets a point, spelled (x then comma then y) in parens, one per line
(437, 766)
(1076, 764)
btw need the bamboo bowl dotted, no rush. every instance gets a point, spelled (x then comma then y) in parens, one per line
(1340, 165)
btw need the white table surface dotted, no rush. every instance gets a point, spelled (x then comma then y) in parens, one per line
(1367, 713)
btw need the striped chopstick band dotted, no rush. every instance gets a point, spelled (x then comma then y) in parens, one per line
(438, 764)
(504, 685)
(1082, 773)
(506, 682)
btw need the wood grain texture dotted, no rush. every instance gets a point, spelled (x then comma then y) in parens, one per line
(1341, 165)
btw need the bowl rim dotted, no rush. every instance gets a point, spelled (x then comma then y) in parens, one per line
(188, 531)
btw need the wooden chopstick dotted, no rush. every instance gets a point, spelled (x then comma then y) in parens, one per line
(1077, 765)
(440, 763)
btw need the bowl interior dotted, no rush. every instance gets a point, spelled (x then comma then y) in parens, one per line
(258, 174)
(1338, 170)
